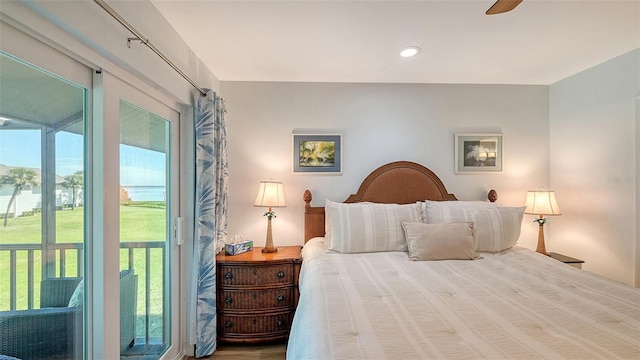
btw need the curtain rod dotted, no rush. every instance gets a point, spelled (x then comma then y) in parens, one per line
(146, 41)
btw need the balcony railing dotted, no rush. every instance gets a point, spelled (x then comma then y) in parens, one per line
(67, 260)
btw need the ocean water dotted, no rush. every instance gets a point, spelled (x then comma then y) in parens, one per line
(146, 193)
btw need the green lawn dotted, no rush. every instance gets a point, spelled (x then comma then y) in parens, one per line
(141, 221)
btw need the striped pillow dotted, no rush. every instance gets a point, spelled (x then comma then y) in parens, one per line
(368, 227)
(496, 228)
(455, 203)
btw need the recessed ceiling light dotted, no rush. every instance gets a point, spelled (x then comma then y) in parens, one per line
(410, 51)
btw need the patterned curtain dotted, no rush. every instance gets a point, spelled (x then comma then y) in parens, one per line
(210, 211)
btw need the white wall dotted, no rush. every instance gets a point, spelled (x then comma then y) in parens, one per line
(380, 123)
(593, 166)
(26, 200)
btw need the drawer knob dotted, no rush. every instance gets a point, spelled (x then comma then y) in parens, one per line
(228, 301)
(280, 298)
(228, 276)
(281, 274)
(281, 322)
(228, 324)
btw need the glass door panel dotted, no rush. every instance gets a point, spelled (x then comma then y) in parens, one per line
(145, 229)
(42, 238)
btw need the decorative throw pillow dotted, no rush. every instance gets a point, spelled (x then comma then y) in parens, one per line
(496, 228)
(456, 204)
(77, 298)
(452, 241)
(368, 227)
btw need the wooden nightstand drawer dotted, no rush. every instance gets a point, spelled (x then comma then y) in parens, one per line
(238, 275)
(256, 299)
(257, 294)
(273, 323)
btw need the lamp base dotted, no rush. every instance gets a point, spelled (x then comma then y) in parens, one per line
(268, 246)
(269, 250)
(541, 248)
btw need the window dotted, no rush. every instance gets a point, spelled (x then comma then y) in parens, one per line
(42, 121)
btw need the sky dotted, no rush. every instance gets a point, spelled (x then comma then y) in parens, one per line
(138, 167)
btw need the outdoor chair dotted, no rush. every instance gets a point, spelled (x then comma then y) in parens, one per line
(54, 330)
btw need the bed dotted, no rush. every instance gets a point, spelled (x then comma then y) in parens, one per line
(373, 301)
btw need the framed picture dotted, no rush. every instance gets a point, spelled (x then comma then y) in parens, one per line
(317, 153)
(478, 153)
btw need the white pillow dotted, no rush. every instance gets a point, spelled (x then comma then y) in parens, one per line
(496, 228)
(368, 227)
(454, 203)
(452, 241)
(327, 224)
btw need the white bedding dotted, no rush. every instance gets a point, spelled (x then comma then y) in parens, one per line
(514, 304)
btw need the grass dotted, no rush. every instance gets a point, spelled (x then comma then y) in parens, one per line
(139, 222)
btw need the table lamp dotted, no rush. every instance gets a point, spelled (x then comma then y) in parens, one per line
(541, 203)
(270, 194)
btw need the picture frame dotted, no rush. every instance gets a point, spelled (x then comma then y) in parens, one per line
(478, 153)
(317, 153)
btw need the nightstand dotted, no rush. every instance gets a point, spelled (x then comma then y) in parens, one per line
(577, 263)
(257, 294)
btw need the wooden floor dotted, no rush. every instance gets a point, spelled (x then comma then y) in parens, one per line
(248, 352)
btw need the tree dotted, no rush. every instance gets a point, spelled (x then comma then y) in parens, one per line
(74, 182)
(19, 178)
(124, 196)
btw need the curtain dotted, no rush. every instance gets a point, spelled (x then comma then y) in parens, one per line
(211, 160)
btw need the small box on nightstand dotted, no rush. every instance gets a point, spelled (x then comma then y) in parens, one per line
(235, 249)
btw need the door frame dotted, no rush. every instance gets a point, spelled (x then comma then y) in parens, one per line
(105, 155)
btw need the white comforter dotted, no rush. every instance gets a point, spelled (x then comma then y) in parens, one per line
(515, 304)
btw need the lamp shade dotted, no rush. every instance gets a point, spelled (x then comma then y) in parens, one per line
(542, 203)
(270, 194)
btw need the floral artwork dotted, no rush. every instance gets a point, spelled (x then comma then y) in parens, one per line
(477, 153)
(317, 153)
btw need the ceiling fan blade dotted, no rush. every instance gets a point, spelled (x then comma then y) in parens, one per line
(502, 6)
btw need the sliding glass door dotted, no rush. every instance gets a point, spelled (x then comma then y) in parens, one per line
(42, 213)
(147, 211)
(89, 194)
(143, 186)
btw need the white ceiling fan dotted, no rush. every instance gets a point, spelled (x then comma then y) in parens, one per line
(502, 6)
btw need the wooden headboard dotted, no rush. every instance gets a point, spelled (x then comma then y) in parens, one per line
(401, 182)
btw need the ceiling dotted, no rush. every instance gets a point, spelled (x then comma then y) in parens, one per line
(540, 42)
